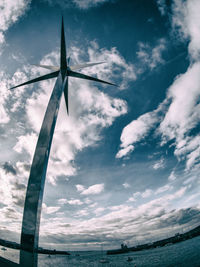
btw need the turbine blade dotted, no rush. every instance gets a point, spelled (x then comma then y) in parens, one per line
(41, 78)
(66, 94)
(63, 53)
(86, 77)
(55, 68)
(81, 66)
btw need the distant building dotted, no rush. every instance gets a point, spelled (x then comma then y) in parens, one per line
(124, 246)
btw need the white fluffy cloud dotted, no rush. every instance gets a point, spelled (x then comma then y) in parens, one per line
(49, 210)
(6, 187)
(164, 188)
(26, 143)
(179, 113)
(186, 19)
(91, 190)
(125, 222)
(90, 111)
(71, 201)
(10, 11)
(126, 185)
(150, 193)
(146, 194)
(162, 6)
(172, 176)
(122, 70)
(151, 57)
(4, 94)
(160, 164)
(136, 131)
(182, 114)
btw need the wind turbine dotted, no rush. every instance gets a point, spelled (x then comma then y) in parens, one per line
(35, 188)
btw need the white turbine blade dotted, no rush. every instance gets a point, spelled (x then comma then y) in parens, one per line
(55, 68)
(81, 66)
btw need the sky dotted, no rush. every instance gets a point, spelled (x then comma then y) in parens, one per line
(125, 164)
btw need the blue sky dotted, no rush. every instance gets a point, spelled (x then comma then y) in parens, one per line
(124, 166)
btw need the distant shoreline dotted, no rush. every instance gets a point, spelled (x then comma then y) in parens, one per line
(14, 245)
(161, 243)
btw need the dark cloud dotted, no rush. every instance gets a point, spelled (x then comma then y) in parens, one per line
(79, 238)
(19, 201)
(9, 235)
(151, 229)
(19, 186)
(27, 167)
(180, 217)
(11, 213)
(66, 225)
(8, 167)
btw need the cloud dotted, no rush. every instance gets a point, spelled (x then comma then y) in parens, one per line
(73, 201)
(62, 201)
(152, 212)
(91, 190)
(114, 223)
(4, 94)
(186, 21)
(177, 117)
(90, 110)
(49, 210)
(8, 167)
(159, 164)
(126, 185)
(150, 221)
(85, 4)
(163, 189)
(145, 194)
(122, 71)
(124, 151)
(151, 57)
(81, 4)
(162, 6)
(150, 193)
(99, 211)
(6, 188)
(12, 191)
(82, 212)
(80, 187)
(136, 131)
(172, 176)
(11, 11)
(183, 115)
(26, 143)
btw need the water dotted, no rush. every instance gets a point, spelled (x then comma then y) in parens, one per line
(183, 254)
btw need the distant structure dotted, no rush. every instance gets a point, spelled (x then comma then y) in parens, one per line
(35, 188)
(160, 243)
(124, 246)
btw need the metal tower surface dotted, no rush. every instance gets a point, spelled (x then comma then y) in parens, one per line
(35, 188)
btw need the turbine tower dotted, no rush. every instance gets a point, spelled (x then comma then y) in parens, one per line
(35, 188)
